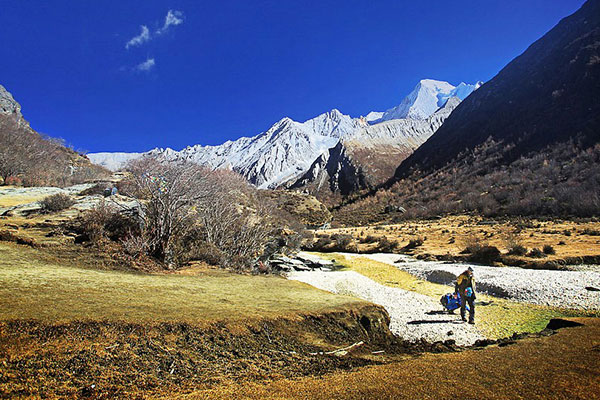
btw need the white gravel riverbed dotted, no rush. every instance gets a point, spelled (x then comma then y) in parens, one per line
(544, 287)
(413, 316)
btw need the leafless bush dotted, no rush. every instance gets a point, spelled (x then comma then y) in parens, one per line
(56, 202)
(514, 245)
(548, 249)
(536, 253)
(136, 245)
(191, 212)
(386, 245)
(414, 243)
(105, 221)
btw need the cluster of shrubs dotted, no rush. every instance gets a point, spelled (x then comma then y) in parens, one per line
(346, 243)
(561, 181)
(186, 212)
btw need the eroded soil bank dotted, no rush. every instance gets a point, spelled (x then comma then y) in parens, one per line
(564, 365)
(125, 360)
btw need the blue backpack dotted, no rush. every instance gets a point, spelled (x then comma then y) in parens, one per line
(451, 301)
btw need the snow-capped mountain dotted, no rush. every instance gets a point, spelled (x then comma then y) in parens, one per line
(287, 150)
(369, 155)
(426, 98)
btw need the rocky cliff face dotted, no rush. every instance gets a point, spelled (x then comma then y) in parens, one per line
(369, 155)
(9, 106)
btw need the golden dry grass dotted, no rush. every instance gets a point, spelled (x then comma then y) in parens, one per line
(8, 199)
(496, 318)
(563, 366)
(449, 235)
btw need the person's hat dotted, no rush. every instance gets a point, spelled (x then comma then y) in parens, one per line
(470, 269)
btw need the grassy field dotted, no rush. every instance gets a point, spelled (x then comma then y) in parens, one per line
(11, 199)
(497, 318)
(33, 289)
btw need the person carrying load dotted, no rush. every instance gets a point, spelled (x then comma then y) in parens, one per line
(465, 286)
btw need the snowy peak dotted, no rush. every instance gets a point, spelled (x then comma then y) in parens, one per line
(426, 98)
(286, 150)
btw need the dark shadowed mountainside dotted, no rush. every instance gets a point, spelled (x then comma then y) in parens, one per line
(548, 94)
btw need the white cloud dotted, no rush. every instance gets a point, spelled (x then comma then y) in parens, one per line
(146, 65)
(144, 36)
(173, 18)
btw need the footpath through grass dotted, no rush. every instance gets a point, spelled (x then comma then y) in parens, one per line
(497, 318)
(31, 288)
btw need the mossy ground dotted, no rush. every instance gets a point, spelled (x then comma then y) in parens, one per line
(496, 318)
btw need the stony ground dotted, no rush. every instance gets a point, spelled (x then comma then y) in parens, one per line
(410, 292)
(413, 316)
(552, 288)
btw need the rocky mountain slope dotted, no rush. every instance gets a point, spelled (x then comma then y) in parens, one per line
(548, 94)
(527, 143)
(285, 152)
(369, 155)
(28, 158)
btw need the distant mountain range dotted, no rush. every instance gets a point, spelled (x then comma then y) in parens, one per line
(290, 152)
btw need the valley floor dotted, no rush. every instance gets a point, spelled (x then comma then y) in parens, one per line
(75, 323)
(573, 242)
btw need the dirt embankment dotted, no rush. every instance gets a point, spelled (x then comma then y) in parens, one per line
(108, 359)
(560, 366)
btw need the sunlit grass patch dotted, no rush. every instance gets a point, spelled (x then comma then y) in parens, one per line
(31, 288)
(496, 318)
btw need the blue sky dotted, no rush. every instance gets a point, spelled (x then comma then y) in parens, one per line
(210, 71)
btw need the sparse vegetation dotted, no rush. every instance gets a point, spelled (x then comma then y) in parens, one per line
(30, 159)
(414, 243)
(536, 253)
(562, 180)
(187, 212)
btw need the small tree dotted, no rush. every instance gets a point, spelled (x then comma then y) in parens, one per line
(170, 192)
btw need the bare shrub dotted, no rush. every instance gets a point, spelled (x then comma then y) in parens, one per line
(414, 243)
(484, 254)
(56, 202)
(135, 245)
(514, 245)
(536, 253)
(548, 249)
(106, 221)
(368, 239)
(191, 212)
(386, 245)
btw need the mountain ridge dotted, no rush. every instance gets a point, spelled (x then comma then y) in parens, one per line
(288, 148)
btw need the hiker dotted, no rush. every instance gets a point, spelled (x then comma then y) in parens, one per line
(465, 285)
